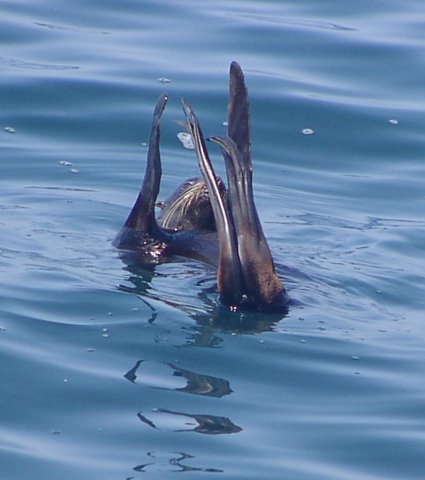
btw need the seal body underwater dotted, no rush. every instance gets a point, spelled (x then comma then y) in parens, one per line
(203, 219)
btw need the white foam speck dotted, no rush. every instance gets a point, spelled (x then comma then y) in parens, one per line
(186, 139)
(308, 131)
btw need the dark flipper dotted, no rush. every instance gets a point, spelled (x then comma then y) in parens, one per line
(229, 273)
(238, 118)
(141, 222)
(261, 282)
(262, 286)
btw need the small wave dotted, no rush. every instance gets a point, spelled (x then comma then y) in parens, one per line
(14, 62)
(298, 22)
(63, 28)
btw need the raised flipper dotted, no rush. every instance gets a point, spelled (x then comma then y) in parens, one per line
(243, 246)
(246, 274)
(262, 286)
(229, 277)
(141, 225)
(238, 118)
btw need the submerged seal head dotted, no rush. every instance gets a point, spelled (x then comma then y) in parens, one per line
(202, 221)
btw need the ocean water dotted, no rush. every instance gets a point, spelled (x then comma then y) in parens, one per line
(113, 372)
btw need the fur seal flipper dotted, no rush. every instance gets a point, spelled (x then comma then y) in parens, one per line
(202, 216)
(141, 228)
(246, 273)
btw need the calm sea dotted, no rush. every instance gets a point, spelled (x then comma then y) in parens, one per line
(118, 373)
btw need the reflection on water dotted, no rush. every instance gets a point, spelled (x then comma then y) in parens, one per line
(162, 418)
(196, 383)
(142, 281)
(160, 462)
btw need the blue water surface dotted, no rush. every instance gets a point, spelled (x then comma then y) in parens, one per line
(115, 372)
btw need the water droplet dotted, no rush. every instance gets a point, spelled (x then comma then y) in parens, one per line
(65, 163)
(355, 357)
(308, 131)
(164, 80)
(9, 129)
(74, 170)
(186, 139)
(393, 121)
(225, 124)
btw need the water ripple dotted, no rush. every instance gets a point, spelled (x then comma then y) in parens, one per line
(17, 63)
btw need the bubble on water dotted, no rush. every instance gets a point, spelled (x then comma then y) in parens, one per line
(308, 131)
(186, 140)
(9, 129)
(164, 80)
(65, 163)
(74, 170)
(393, 121)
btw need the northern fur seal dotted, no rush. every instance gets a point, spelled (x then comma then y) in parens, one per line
(204, 221)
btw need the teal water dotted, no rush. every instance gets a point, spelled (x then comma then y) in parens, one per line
(115, 373)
